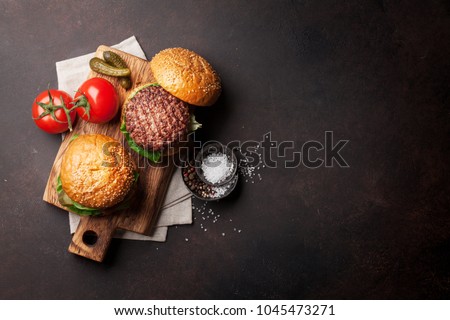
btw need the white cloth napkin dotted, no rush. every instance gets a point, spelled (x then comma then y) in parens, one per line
(177, 207)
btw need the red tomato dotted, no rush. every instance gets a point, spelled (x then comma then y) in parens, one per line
(48, 111)
(102, 98)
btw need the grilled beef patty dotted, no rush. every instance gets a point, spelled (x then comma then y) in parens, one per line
(155, 118)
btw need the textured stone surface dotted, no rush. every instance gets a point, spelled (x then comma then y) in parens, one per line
(375, 73)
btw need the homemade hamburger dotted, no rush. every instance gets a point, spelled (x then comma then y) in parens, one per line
(97, 175)
(157, 115)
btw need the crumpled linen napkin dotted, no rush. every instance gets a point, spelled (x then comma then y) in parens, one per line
(177, 206)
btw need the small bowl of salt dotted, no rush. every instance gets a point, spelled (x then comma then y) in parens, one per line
(216, 164)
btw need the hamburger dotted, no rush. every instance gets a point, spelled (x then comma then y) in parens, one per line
(97, 176)
(158, 115)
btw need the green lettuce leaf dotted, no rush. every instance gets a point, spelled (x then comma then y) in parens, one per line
(193, 124)
(133, 93)
(59, 188)
(82, 212)
(73, 205)
(76, 135)
(85, 211)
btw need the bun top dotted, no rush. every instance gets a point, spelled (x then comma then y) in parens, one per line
(96, 171)
(187, 76)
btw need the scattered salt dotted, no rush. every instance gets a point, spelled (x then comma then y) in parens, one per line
(220, 191)
(249, 170)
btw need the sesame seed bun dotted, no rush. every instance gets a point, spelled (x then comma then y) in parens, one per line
(187, 76)
(96, 171)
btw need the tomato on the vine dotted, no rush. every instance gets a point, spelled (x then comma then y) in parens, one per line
(50, 111)
(97, 101)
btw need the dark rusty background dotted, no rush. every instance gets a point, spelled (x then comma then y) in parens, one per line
(373, 72)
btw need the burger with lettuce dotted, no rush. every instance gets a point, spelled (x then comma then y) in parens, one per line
(157, 116)
(97, 176)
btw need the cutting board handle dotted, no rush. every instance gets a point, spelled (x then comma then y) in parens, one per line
(92, 237)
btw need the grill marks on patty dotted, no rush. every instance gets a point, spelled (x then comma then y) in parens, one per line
(154, 118)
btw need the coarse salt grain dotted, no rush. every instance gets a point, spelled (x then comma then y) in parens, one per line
(217, 167)
(220, 191)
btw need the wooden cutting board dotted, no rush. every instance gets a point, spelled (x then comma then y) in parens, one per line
(94, 234)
